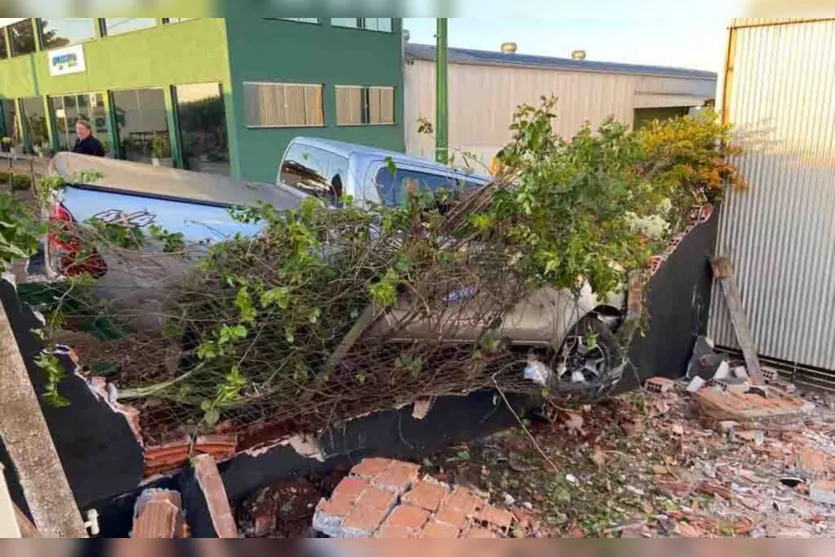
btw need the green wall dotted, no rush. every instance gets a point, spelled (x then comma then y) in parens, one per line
(230, 51)
(189, 52)
(293, 52)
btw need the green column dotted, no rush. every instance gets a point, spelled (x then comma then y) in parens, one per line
(51, 128)
(442, 95)
(173, 127)
(4, 36)
(112, 125)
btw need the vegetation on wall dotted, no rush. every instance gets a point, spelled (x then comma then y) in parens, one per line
(315, 320)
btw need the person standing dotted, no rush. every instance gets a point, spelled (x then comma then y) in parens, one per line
(86, 144)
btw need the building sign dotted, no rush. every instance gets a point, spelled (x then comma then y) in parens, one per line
(68, 60)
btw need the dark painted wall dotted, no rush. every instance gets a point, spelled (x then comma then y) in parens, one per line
(678, 302)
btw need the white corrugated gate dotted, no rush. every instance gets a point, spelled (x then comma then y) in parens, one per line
(780, 234)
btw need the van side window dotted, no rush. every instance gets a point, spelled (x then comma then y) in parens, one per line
(314, 171)
(394, 189)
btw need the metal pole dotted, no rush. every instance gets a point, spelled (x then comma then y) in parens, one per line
(442, 94)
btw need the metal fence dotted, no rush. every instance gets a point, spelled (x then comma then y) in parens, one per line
(780, 234)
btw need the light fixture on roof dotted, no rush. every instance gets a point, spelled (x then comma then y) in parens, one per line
(509, 48)
(578, 55)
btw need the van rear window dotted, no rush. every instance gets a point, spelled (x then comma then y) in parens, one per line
(314, 171)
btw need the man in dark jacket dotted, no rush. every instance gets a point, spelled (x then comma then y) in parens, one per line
(86, 144)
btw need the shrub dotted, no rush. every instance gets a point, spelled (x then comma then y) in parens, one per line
(18, 182)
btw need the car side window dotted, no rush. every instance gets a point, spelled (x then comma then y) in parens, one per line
(315, 171)
(394, 189)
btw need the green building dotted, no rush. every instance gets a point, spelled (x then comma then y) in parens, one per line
(221, 95)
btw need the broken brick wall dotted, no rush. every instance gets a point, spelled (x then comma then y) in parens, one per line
(103, 460)
(677, 305)
(98, 451)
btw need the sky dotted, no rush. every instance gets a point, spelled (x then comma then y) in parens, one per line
(634, 31)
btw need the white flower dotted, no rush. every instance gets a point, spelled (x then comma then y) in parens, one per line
(651, 226)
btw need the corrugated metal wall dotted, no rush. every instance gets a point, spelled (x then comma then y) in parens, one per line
(780, 234)
(482, 100)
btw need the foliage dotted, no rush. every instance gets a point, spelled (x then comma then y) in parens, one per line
(53, 373)
(18, 182)
(19, 230)
(331, 312)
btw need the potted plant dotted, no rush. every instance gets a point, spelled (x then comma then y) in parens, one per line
(6, 144)
(160, 152)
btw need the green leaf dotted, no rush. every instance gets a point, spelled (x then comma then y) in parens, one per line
(212, 417)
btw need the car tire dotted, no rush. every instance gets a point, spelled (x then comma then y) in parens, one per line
(606, 348)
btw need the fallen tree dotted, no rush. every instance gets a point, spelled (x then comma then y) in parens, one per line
(333, 313)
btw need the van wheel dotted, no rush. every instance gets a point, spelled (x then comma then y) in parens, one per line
(590, 358)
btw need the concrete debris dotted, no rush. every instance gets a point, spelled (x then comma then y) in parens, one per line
(722, 372)
(822, 492)
(158, 514)
(421, 408)
(306, 446)
(740, 372)
(538, 372)
(659, 385)
(696, 384)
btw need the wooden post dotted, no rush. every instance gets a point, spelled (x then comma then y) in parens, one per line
(723, 271)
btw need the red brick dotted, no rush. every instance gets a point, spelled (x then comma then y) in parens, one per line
(452, 516)
(465, 500)
(495, 516)
(365, 520)
(390, 532)
(407, 516)
(397, 478)
(337, 508)
(377, 499)
(350, 488)
(812, 461)
(439, 531)
(480, 533)
(426, 495)
(371, 467)
(210, 482)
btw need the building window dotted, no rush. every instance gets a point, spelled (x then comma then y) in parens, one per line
(275, 105)
(142, 126)
(301, 19)
(4, 53)
(69, 109)
(119, 25)
(8, 121)
(33, 117)
(201, 116)
(169, 20)
(357, 106)
(370, 23)
(22, 38)
(56, 33)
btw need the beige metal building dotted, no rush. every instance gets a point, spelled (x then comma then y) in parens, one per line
(485, 88)
(778, 88)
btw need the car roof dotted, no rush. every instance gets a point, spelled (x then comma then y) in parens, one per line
(138, 178)
(349, 150)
